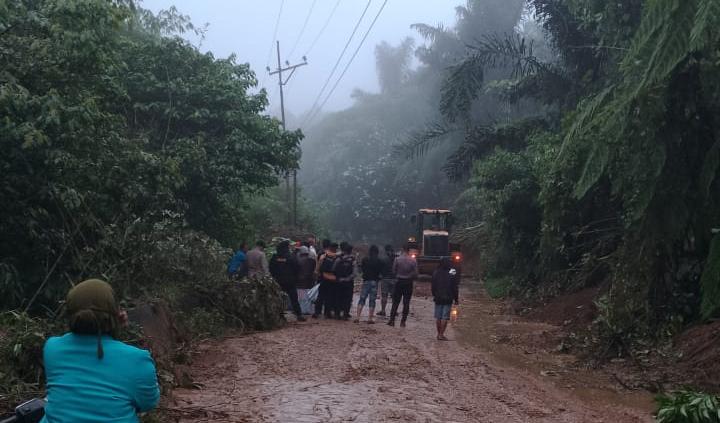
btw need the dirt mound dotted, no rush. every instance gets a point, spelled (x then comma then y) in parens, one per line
(700, 349)
(165, 341)
(572, 310)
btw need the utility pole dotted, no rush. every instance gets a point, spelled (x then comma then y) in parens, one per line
(292, 211)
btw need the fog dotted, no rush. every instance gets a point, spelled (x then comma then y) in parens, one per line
(246, 28)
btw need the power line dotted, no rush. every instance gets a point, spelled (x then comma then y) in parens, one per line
(302, 31)
(337, 63)
(324, 27)
(272, 42)
(347, 66)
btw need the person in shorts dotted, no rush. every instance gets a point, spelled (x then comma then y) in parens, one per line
(387, 285)
(445, 287)
(372, 268)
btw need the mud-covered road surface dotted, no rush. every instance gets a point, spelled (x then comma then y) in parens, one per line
(495, 368)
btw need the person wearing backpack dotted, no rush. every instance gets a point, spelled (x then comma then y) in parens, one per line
(387, 285)
(345, 272)
(328, 282)
(284, 269)
(445, 287)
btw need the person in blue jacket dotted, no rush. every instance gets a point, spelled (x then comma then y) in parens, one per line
(91, 376)
(237, 267)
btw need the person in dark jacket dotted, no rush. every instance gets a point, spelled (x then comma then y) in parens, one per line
(387, 285)
(445, 287)
(306, 269)
(372, 268)
(345, 272)
(305, 279)
(327, 295)
(284, 269)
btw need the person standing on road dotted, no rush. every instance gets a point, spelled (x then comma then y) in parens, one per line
(406, 270)
(237, 267)
(345, 272)
(372, 268)
(305, 279)
(284, 268)
(328, 282)
(387, 286)
(445, 288)
(256, 260)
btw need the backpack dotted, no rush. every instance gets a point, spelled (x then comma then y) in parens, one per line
(345, 267)
(326, 266)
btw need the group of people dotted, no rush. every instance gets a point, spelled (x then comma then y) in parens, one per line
(332, 270)
(119, 380)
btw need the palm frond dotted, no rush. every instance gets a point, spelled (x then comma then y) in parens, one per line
(420, 142)
(512, 51)
(429, 32)
(466, 79)
(461, 88)
(482, 140)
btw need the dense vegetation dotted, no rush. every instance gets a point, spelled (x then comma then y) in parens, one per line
(116, 136)
(582, 137)
(127, 154)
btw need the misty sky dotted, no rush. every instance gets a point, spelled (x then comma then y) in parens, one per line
(245, 27)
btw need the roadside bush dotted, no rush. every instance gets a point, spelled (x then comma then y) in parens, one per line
(21, 342)
(498, 287)
(688, 407)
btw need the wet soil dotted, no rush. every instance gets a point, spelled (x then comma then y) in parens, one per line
(496, 367)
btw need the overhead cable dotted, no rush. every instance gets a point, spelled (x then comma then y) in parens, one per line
(337, 63)
(347, 66)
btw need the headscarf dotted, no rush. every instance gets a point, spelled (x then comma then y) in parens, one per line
(92, 310)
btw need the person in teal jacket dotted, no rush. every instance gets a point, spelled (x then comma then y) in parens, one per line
(91, 376)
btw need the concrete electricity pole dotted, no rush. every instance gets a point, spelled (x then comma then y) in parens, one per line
(292, 215)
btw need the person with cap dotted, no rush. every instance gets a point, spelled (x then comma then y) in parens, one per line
(91, 376)
(284, 269)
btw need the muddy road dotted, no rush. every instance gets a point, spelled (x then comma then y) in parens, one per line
(495, 368)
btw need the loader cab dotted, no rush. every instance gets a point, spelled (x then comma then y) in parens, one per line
(431, 241)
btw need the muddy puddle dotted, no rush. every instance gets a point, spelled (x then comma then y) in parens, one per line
(331, 371)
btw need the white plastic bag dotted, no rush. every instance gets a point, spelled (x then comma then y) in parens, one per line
(313, 293)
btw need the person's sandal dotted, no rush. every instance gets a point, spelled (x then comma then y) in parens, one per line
(356, 321)
(371, 322)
